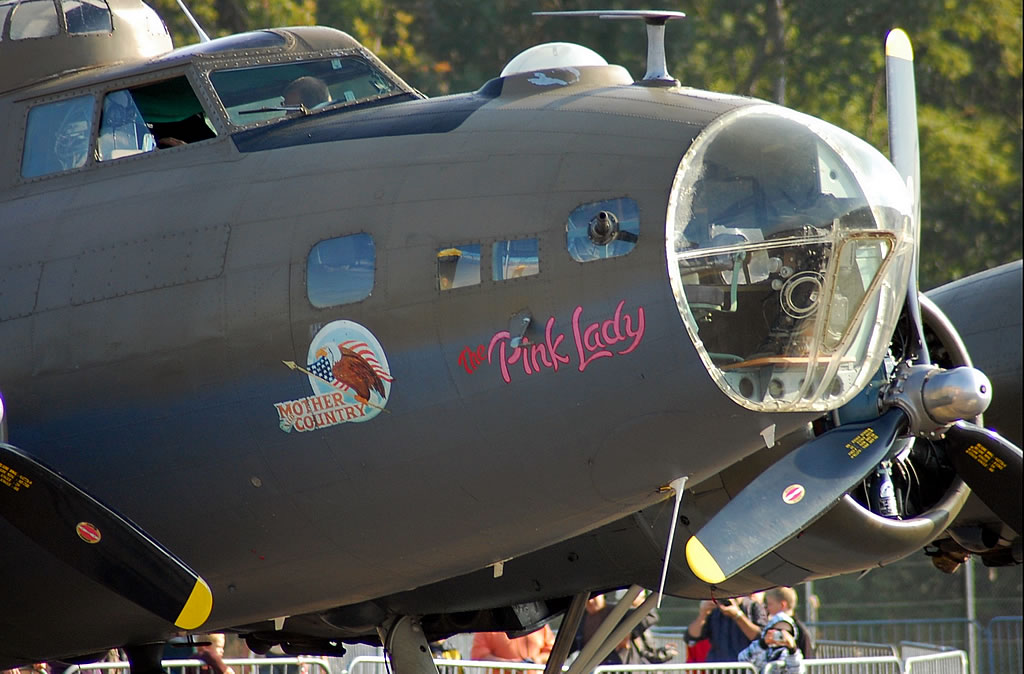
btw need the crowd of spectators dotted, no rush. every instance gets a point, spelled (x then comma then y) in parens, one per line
(758, 628)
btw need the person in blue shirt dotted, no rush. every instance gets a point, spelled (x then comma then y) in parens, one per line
(726, 623)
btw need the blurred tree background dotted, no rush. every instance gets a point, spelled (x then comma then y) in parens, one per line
(825, 59)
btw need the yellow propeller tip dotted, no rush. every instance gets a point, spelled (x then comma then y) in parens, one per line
(702, 563)
(197, 608)
(897, 44)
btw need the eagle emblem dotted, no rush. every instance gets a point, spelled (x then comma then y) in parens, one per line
(350, 377)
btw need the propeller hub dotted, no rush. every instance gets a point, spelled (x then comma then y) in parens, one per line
(933, 398)
(960, 393)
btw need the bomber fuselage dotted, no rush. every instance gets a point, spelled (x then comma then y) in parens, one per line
(332, 354)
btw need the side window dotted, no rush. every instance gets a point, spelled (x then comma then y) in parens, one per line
(123, 131)
(458, 266)
(140, 119)
(603, 229)
(515, 259)
(340, 271)
(57, 136)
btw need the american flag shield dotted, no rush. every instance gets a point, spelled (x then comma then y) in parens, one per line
(321, 368)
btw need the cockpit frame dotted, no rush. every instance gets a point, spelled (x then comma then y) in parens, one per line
(207, 70)
(195, 63)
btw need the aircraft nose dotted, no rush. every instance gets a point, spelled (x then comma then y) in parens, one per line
(789, 244)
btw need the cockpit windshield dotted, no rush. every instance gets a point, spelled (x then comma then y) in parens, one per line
(262, 93)
(789, 242)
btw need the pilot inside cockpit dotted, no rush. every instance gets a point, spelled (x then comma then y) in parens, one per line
(307, 92)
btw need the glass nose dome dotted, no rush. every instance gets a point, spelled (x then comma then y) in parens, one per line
(789, 246)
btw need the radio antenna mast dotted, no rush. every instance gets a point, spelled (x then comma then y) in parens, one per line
(203, 37)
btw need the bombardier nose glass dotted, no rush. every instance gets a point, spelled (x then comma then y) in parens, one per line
(789, 246)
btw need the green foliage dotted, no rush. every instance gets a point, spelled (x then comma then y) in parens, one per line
(382, 27)
(224, 17)
(462, 44)
(913, 588)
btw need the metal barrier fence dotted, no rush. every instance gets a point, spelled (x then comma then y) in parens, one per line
(1000, 643)
(374, 664)
(299, 665)
(1003, 638)
(999, 651)
(708, 667)
(377, 664)
(1000, 648)
(879, 664)
(839, 645)
(953, 662)
(950, 632)
(824, 648)
(911, 649)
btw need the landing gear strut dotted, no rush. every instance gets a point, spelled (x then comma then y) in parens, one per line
(616, 627)
(404, 641)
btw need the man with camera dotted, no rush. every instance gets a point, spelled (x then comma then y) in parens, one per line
(729, 624)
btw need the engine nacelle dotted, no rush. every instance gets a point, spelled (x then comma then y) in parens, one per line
(931, 494)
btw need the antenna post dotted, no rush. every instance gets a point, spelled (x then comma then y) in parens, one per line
(657, 67)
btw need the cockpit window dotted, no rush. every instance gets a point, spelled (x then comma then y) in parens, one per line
(87, 16)
(39, 18)
(57, 136)
(263, 93)
(34, 18)
(141, 119)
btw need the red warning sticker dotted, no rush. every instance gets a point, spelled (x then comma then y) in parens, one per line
(794, 493)
(88, 532)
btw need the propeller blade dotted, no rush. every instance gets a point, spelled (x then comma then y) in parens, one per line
(991, 466)
(95, 540)
(982, 458)
(902, 104)
(905, 153)
(788, 496)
